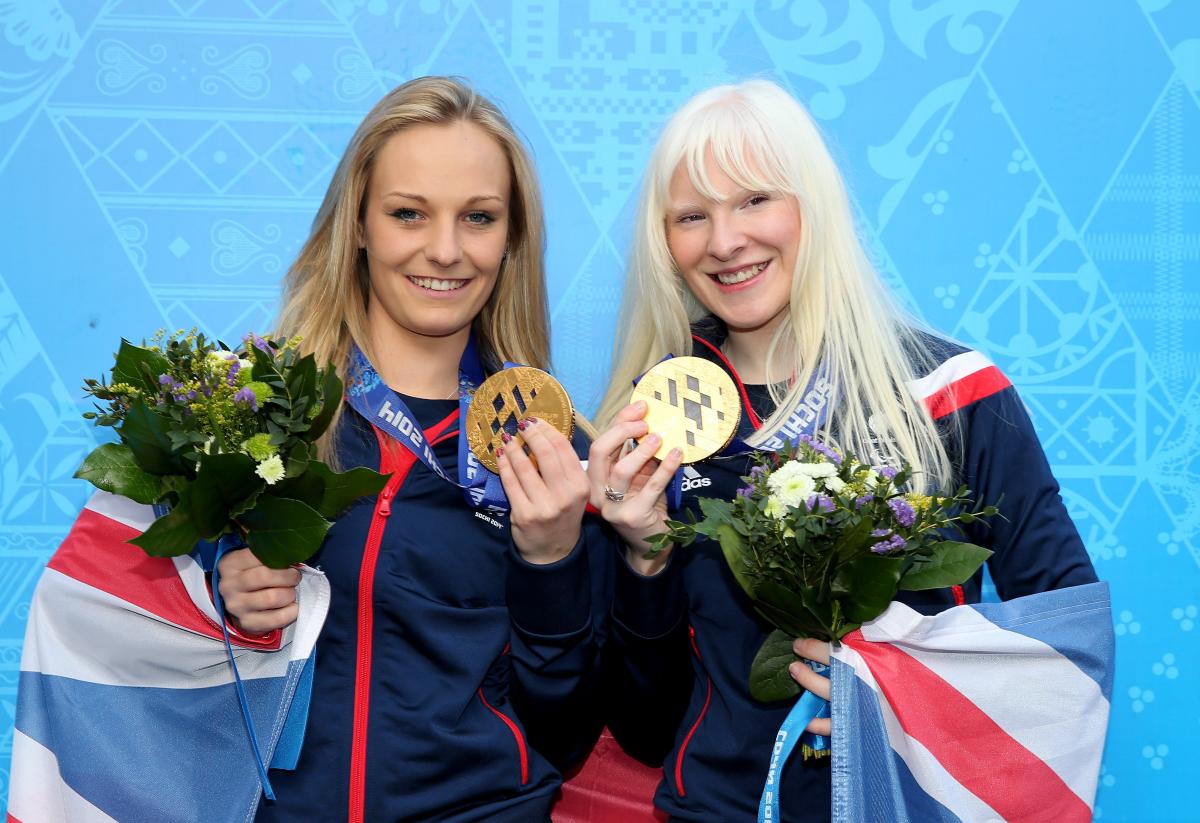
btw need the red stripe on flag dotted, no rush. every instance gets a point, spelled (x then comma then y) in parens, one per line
(979, 754)
(965, 391)
(95, 553)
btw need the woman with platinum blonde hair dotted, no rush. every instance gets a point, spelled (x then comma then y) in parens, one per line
(746, 254)
(456, 667)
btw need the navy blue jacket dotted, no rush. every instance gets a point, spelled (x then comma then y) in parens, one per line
(684, 639)
(454, 681)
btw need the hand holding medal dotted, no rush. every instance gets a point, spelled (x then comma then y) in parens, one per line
(519, 425)
(682, 410)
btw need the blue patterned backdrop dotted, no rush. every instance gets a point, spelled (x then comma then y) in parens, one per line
(1026, 172)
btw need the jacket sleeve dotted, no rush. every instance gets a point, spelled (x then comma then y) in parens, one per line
(648, 673)
(1036, 545)
(558, 612)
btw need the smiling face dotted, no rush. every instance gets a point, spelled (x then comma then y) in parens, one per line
(737, 253)
(434, 228)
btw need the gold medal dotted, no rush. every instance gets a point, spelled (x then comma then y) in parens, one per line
(692, 404)
(508, 397)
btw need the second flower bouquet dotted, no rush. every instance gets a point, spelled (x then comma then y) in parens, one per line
(227, 440)
(821, 543)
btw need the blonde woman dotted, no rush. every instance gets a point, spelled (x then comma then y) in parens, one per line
(746, 254)
(455, 669)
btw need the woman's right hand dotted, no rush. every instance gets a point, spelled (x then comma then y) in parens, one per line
(642, 479)
(258, 599)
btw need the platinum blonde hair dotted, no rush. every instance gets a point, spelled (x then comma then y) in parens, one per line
(841, 316)
(326, 290)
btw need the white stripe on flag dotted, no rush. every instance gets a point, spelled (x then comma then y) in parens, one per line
(81, 632)
(929, 773)
(36, 791)
(956, 368)
(122, 509)
(1047, 713)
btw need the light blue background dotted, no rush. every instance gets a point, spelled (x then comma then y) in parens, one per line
(1026, 172)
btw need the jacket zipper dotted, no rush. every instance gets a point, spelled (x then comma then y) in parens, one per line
(400, 463)
(699, 719)
(366, 621)
(522, 751)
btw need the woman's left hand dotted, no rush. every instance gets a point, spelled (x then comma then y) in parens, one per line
(548, 499)
(818, 684)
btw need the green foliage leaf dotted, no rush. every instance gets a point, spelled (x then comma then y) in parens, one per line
(950, 564)
(146, 435)
(769, 676)
(331, 399)
(281, 532)
(733, 548)
(870, 581)
(111, 467)
(139, 367)
(223, 484)
(329, 492)
(855, 540)
(171, 535)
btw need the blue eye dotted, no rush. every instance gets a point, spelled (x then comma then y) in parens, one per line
(480, 218)
(405, 215)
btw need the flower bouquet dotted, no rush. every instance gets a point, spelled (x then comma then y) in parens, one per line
(225, 439)
(822, 542)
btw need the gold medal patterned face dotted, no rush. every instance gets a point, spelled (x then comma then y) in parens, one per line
(692, 404)
(508, 397)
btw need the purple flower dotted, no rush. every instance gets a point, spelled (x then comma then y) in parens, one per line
(261, 344)
(246, 396)
(166, 380)
(757, 472)
(191, 395)
(745, 491)
(881, 532)
(231, 376)
(891, 544)
(820, 501)
(902, 511)
(887, 472)
(865, 500)
(830, 454)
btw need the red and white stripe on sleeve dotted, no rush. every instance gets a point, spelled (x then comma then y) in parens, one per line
(957, 383)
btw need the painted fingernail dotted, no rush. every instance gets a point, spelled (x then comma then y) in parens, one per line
(500, 452)
(529, 421)
(521, 425)
(505, 437)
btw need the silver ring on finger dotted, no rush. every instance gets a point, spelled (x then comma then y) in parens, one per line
(613, 495)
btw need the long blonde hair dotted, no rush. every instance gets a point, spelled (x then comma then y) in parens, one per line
(841, 318)
(326, 290)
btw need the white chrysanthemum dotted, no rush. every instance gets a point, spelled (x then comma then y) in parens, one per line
(814, 470)
(270, 470)
(774, 508)
(835, 484)
(791, 484)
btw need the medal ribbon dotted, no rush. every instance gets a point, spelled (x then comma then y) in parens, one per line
(370, 396)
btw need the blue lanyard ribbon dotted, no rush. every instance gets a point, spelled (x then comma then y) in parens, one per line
(226, 543)
(808, 707)
(370, 396)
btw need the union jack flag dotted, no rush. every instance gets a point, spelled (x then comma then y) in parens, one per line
(126, 708)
